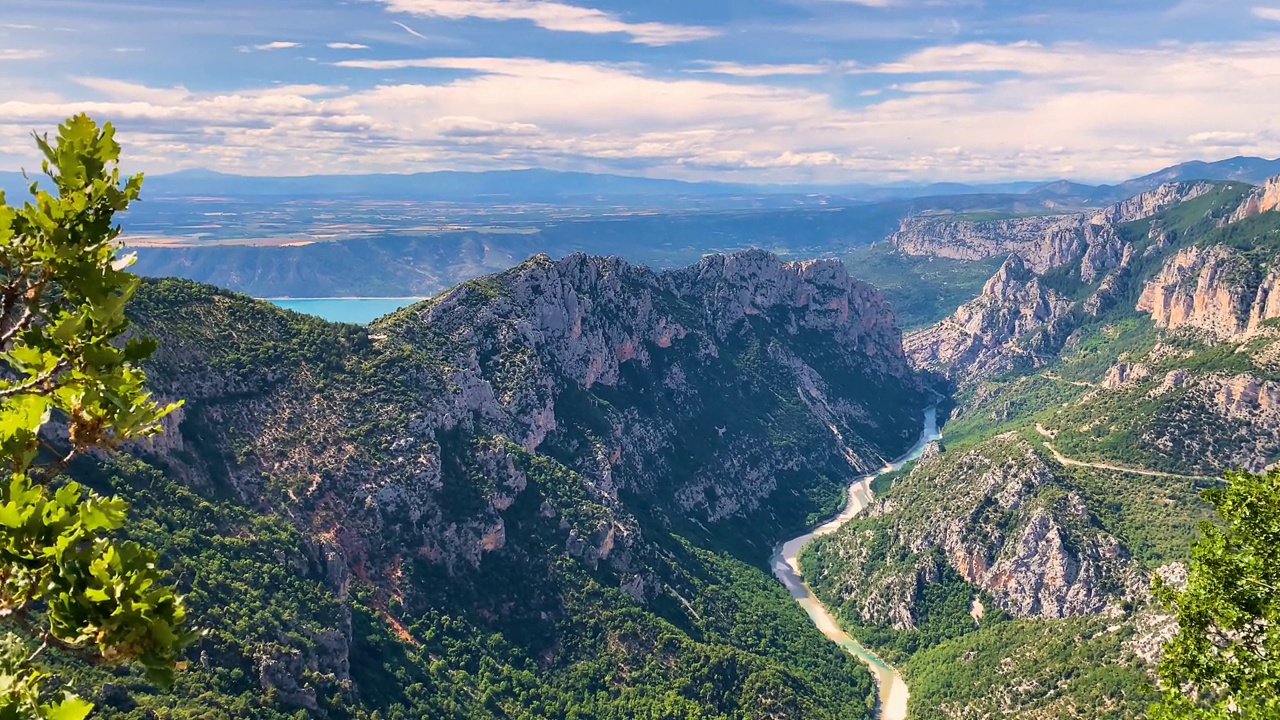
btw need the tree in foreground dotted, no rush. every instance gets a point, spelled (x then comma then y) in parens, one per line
(70, 385)
(1224, 662)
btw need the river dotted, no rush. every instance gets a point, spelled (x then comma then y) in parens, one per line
(786, 567)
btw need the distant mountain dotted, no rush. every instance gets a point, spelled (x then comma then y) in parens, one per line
(538, 185)
(531, 184)
(1252, 170)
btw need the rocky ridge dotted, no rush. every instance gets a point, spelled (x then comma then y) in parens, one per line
(1044, 242)
(512, 419)
(994, 332)
(1003, 516)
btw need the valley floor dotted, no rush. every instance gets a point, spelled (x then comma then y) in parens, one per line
(786, 567)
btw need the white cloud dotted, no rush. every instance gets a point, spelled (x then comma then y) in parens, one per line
(346, 46)
(1267, 13)
(552, 16)
(757, 71)
(122, 91)
(1223, 139)
(1090, 111)
(16, 54)
(389, 64)
(937, 86)
(277, 45)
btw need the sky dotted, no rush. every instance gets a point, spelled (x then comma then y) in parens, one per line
(785, 91)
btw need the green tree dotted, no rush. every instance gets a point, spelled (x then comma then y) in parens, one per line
(69, 385)
(1224, 661)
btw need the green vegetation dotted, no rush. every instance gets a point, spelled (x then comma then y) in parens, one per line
(72, 386)
(359, 542)
(1032, 669)
(740, 649)
(1221, 664)
(921, 290)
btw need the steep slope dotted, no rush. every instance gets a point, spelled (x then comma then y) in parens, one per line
(1048, 241)
(1010, 527)
(1016, 322)
(1082, 269)
(1096, 397)
(531, 496)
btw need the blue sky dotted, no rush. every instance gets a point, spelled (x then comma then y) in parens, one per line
(754, 90)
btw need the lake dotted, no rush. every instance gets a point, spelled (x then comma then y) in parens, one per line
(360, 311)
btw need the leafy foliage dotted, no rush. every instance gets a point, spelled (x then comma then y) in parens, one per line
(922, 290)
(71, 384)
(1223, 662)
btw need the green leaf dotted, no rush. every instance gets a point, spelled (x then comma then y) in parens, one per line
(10, 515)
(139, 349)
(73, 708)
(23, 413)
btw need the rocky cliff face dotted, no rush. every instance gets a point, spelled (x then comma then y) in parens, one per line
(994, 332)
(1263, 199)
(1213, 289)
(621, 373)
(1044, 242)
(1002, 516)
(1147, 204)
(673, 342)
(1017, 322)
(534, 421)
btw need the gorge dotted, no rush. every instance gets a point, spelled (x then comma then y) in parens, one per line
(786, 567)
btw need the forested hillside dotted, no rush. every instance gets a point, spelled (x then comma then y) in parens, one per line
(545, 493)
(1110, 371)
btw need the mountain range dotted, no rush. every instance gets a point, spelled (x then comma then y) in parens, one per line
(553, 491)
(535, 185)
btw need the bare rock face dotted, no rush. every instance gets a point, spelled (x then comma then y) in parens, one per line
(1151, 203)
(1215, 290)
(1044, 242)
(989, 334)
(1263, 199)
(1122, 374)
(1001, 516)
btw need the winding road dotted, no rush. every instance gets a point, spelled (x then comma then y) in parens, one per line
(1104, 466)
(786, 567)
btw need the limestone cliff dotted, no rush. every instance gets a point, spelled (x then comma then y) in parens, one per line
(1044, 242)
(1002, 516)
(1214, 289)
(993, 333)
(1265, 198)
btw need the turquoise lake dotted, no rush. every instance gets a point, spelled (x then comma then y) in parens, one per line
(350, 310)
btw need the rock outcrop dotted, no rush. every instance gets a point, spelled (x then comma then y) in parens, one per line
(1044, 242)
(1147, 204)
(992, 333)
(1213, 289)
(1001, 516)
(1263, 199)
